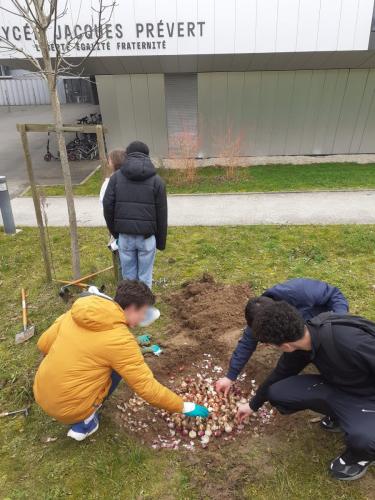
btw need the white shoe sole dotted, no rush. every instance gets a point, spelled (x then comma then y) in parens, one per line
(78, 436)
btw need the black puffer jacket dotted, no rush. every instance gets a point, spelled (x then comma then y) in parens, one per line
(135, 201)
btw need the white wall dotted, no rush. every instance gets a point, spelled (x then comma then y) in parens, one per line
(216, 26)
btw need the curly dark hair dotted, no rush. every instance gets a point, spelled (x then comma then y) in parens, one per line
(133, 292)
(253, 306)
(278, 323)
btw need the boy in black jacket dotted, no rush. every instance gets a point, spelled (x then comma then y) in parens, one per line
(342, 347)
(135, 210)
(309, 297)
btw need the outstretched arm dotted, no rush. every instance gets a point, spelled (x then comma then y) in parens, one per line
(335, 300)
(130, 364)
(241, 355)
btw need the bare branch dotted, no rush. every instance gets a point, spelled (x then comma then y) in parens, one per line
(8, 46)
(33, 13)
(27, 12)
(100, 35)
(14, 13)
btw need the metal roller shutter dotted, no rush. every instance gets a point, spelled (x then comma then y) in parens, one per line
(181, 96)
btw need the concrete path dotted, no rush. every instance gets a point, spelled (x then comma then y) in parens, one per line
(12, 163)
(321, 207)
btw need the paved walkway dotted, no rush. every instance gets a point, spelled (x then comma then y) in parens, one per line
(12, 158)
(320, 207)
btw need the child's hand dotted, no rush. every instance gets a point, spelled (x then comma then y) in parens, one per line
(244, 411)
(223, 385)
(194, 410)
(154, 349)
(143, 339)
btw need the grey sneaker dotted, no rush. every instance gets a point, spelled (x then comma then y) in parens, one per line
(346, 467)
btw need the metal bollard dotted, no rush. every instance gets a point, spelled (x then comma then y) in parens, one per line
(6, 208)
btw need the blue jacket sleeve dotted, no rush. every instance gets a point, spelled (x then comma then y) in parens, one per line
(241, 355)
(334, 300)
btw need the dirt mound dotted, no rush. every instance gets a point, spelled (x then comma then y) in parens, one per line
(206, 322)
(204, 308)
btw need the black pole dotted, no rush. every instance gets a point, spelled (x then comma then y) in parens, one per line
(6, 208)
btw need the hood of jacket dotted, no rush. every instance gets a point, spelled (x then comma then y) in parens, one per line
(97, 313)
(138, 167)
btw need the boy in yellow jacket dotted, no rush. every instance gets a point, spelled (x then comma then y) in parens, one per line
(87, 352)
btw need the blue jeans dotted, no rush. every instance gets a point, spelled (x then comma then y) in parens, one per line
(137, 256)
(116, 379)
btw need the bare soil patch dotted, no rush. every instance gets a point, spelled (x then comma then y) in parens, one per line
(206, 322)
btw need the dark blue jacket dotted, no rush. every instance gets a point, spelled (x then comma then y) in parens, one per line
(310, 297)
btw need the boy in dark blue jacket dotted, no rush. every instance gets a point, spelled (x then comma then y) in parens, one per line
(309, 297)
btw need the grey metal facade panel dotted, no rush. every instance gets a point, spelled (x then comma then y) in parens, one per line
(335, 111)
(234, 111)
(265, 118)
(288, 112)
(283, 61)
(296, 115)
(156, 94)
(363, 113)
(142, 117)
(23, 91)
(108, 103)
(281, 111)
(151, 64)
(204, 86)
(366, 143)
(218, 109)
(325, 107)
(125, 112)
(169, 64)
(205, 63)
(354, 91)
(133, 107)
(251, 111)
(312, 110)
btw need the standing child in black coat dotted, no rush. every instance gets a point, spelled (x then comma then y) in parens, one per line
(135, 209)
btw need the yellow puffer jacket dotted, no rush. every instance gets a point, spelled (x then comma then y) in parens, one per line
(82, 348)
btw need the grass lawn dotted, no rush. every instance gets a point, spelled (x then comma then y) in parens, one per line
(256, 178)
(112, 464)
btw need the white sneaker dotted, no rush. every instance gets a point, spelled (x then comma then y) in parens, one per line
(84, 429)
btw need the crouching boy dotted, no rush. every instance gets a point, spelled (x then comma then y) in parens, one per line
(87, 352)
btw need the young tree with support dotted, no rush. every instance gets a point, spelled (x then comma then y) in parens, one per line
(43, 16)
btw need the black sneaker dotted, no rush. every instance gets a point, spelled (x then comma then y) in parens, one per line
(347, 468)
(330, 424)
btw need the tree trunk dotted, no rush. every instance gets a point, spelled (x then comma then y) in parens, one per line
(67, 183)
(42, 38)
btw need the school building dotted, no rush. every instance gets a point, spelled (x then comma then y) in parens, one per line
(276, 77)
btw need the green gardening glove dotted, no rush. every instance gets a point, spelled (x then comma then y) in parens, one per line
(143, 339)
(194, 410)
(154, 349)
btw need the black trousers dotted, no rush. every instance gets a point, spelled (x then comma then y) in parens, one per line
(355, 414)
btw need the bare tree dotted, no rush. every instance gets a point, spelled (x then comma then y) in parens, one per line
(43, 17)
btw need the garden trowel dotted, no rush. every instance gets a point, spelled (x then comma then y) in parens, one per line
(28, 330)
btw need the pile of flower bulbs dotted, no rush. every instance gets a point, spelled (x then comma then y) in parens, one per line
(223, 410)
